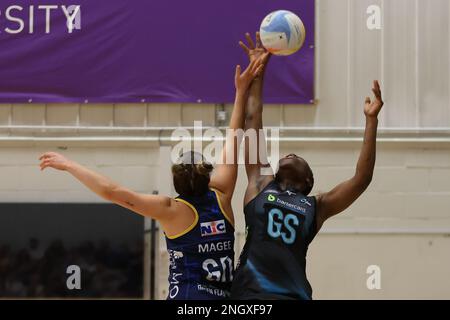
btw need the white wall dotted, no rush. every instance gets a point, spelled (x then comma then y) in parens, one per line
(409, 55)
(22, 181)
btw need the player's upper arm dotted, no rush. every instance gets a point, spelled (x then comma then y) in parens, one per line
(153, 206)
(259, 172)
(224, 179)
(224, 176)
(338, 199)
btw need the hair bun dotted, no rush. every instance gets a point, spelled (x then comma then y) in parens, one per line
(204, 168)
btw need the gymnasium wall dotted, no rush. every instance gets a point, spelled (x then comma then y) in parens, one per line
(401, 224)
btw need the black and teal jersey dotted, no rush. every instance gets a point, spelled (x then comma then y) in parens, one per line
(280, 226)
(202, 257)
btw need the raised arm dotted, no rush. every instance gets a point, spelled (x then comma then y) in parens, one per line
(154, 206)
(258, 170)
(225, 174)
(344, 194)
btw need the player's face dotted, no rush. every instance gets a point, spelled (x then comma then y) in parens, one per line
(294, 168)
(293, 163)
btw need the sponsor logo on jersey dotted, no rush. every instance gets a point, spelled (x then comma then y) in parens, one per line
(173, 257)
(305, 201)
(177, 254)
(214, 291)
(289, 193)
(286, 204)
(212, 228)
(273, 198)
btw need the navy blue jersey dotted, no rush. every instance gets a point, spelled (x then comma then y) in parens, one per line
(280, 226)
(202, 257)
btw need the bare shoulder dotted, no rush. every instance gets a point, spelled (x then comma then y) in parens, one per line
(178, 208)
(320, 215)
(318, 199)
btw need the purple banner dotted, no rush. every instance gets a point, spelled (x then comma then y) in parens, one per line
(142, 51)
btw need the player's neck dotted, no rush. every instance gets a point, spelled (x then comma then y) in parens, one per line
(287, 184)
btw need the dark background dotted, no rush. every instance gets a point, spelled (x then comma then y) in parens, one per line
(39, 241)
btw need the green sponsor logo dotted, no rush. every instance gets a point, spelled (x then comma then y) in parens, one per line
(271, 198)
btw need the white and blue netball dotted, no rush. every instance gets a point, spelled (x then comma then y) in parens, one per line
(282, 33)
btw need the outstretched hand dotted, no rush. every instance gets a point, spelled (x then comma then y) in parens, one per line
(243, 80)
(372, 108)
(254, 51)
(54, 160)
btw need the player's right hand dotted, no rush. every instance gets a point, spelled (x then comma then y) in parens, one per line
(54, 160)
(253, 51)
